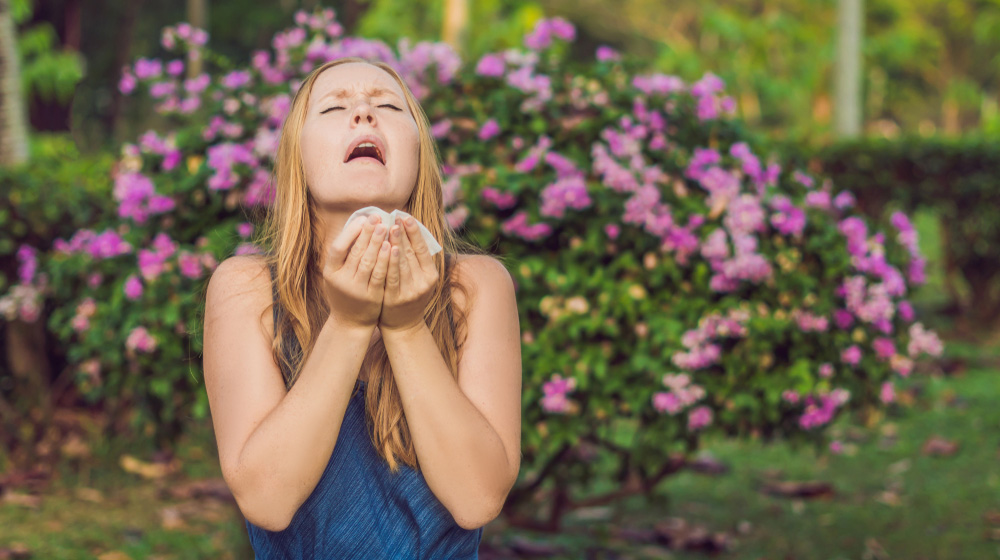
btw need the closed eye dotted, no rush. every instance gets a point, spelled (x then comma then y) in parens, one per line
(324, 111)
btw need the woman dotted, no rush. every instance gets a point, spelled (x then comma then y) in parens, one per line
(350, 425)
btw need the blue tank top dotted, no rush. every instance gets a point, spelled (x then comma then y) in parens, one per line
(360, 509)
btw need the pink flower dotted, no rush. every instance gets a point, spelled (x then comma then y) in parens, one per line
(190, 265)
(489, 130)
(491, 65)
(667, 402)
(605, 53)
(699, 417)
(884, 347)
(140, 340)
(851, 355)
(133, 287)
(888, 393)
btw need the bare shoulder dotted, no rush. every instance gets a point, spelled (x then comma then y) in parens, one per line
(478, 272)
(242, 282)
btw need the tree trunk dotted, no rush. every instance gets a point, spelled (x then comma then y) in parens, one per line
(13, 124)
(847, 116)
(25, 342)
(197, 11)
(456, 18)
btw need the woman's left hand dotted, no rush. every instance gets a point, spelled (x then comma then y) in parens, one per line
(410, 280)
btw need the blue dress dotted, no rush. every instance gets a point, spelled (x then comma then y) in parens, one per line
(360, 509)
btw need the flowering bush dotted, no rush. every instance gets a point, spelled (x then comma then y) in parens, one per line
(670, 282)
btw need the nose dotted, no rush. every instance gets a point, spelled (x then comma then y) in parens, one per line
(363, 112)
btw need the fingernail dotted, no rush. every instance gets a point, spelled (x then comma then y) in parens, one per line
(410, 220)
(395, 232)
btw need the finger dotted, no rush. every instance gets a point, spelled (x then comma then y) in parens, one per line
(342, 244)
(407, 261)
(377, 282)
(360, 245)
(370, 256)
(392, 278)
(421, 252)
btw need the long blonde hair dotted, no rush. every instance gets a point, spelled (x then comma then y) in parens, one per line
(291, 239)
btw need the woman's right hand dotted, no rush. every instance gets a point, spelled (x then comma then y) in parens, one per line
(354, 272)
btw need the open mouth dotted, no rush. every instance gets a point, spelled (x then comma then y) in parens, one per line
(367, 150)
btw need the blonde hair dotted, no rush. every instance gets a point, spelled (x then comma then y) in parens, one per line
(291, 238)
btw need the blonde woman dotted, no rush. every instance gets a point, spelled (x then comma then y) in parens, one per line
(349, 424)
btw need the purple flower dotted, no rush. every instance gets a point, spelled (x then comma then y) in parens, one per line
(667, 402)
(884, 348)
(851, 355)
(146, 68)
(541, 36)
(441, 128)
(498, 199)
(127, 83)
(175, 67)
(699, 417)
(605, 53)
(140, 340)
(133, 287)
(236, 79)
(489, 130)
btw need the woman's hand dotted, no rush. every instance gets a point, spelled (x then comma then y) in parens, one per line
(410, 280)
(354, 273)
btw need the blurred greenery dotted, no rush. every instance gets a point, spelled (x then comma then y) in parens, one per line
(931, 66)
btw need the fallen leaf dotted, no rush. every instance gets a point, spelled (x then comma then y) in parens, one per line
(805, 489)
(171, 518)
(89, 494)
(937, 445)
(148, 470)
(74, 447)
(16, 551)
(888, 498)
(677, 534)
(20, 499)
(634, 534)
(708, 465)
(114, 555)
(206, 488)
(992, 517)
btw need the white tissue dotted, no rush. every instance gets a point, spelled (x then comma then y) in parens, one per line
(389, 218)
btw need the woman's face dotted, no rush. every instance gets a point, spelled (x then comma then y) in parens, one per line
(351, 104)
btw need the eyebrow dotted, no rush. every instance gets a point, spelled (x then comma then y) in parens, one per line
(342, 93)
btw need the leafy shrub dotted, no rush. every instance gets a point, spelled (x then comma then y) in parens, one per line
(956, 178)
(670, 282)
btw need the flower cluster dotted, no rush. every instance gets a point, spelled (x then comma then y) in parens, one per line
(555, 391)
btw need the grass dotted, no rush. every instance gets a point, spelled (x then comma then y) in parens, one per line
(934, 510)
(890, 500)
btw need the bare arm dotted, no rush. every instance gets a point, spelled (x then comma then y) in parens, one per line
(273, 445)
(467, 432)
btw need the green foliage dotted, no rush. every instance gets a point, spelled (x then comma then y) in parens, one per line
(48, 73)
(54, 194)
(957, 178)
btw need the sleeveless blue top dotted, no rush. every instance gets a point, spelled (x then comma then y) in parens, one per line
(360, 509)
